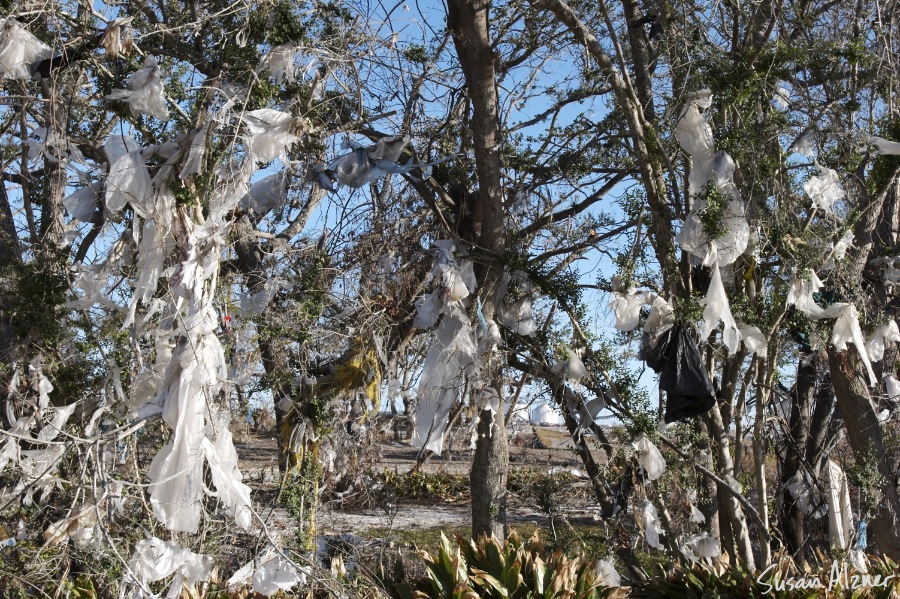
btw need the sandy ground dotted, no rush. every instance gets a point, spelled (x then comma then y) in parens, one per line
(258, 462)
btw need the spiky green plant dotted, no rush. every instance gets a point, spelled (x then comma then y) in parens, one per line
(515, 569)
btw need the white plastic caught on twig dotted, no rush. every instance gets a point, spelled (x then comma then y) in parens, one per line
(145, 93)
(19, 51)
(271, 132)
(606, 573)
(717, 308)
(825, 188)
(885, 147)
(648, 457)
(840, 511)
(883, 334)
(155, 559)
(648, 520)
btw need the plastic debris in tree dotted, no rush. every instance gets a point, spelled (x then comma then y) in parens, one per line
(155, 559)
(365, 164)
(145, 93)
(648, 521)
(118, 39)
(846, 327)
(128, 181)
(453, 353)
(700, 546)
(54, 147)
(648, 457)
(840, 511)
(717, 308)
(805, 145)
(892, 387)
(885, 147)
(802, 488)
(825, 188)
(82, 205)
(607, 574)
(754, 341)
(267, 194)
(675, 357)
(881, 336)
(279, 63)
(271, 132)
(20, 51)
(709, 168)
(838, 251)
(627, 308)
(268, 574)
(572, 368)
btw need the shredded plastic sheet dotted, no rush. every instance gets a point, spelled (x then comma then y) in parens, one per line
(453, 353)
(128, 180)
(840, 511)
(695, 137)
(80, 526)
(271, 132)
(885, 147)
(226, 477)
(41, 384)
(145, 93)
(365, 164)
(54, 147)
(846, 327)
(709, 168)
(572, 368)
(838, 251)
(675, 357)
(717, 308)
(723, 250)
(700, 546)
(802, 488)
(267, 194)
(697, 516)
(607, 574)
(648, 457)
(279, 63)
(754, 341)
(882, 335)
(428, 310)
(82, 205)
(60, 416)
(627, 307)
(519, 318)
(825, 188)
(193, 163)
(19, 51)
(846, 330)
(648, 520)
(805, 144)
(891, 387)
(268, 574)
(118, 39)
(155, 559)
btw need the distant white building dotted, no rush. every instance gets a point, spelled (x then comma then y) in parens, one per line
(544, 413)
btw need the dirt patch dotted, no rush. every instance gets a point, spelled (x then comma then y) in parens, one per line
(259, 463)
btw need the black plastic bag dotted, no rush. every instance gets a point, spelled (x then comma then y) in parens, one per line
(676, 359)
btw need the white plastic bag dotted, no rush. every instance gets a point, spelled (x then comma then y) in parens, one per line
(648, 457)
(840, 511)
(20, 51)
(825, 188)
(648, 520)
(145, 94)
(717, 308)
(883, 334)
(754, 341)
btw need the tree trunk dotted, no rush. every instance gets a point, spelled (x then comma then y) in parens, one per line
(469, 24)
(867, 441)
(791, 517)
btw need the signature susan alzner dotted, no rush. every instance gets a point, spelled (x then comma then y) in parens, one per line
(839, 575)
